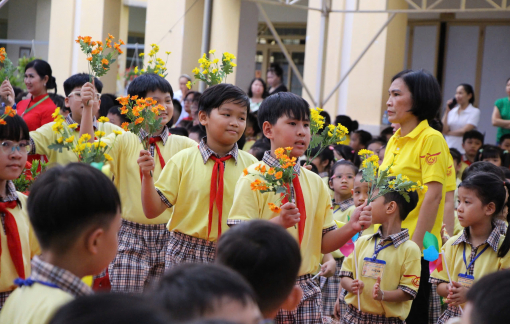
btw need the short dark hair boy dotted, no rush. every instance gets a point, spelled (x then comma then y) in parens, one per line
(78, 80)
(149, 82)
(268, 258)
(283, 104)
(192, 291)
(473, 134)
(221, 94)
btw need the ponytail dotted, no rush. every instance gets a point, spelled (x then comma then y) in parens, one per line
(505, 247)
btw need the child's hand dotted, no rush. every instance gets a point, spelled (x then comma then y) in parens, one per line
(361, 218)
(357, 285)
(7, 93)
(146, 163)
(289, 216)
(88, 95)
(444, 235)
(336, 312)
(456, 294)
(376, 291)
(328, 268)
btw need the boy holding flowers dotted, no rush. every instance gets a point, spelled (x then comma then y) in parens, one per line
(285, 120)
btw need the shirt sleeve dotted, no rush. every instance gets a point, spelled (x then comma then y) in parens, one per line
(42, 138)
(434, 159)
(325, 208)
(475, 117)
(116, 143)
(499, 105)
(169, 180)
(246, 205)
(411, 272)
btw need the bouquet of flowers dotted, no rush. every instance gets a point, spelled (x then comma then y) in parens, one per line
(8, 112)
(278, 179)
(155, 65)
(90, 153)
(213, 71)
(99, 62)
(28, 176)
(8, 69)
(329, 136)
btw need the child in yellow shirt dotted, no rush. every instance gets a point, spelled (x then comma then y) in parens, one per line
(75, 213)
(199, 182)
(389, 264)
(285, 119)
(140, 259)
(17, 241)
(480, 249)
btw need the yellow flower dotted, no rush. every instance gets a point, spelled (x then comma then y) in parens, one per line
(205, 71)
(233, 64)
(212, 51)
(195, 71)
(331, 127)
(424, 189)
(73, 126)
(365, 152)
(161, 75)
(168, 53)
(188, 85)
(116, 132)
(99, 133)
(70, 139)
(216, 60)
(60, 140)
(136, 70)
(102, 144)
(107, 157)
(84, 138)
(214, 70)
(56, 113)
(103, 119)
(405, 178)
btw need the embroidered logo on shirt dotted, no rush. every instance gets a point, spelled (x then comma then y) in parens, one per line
(430, 159)
(415, 281)
(449, 171)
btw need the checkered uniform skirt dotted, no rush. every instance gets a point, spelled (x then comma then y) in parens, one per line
(329, 289)
(435, 308)
(3, 297)
(140, 259)
(183, 248)
(450, 312)
(309, 310)
(354, 316)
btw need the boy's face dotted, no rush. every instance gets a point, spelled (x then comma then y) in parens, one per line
(505, 145)
(73, 102)
(164, 99)
(289, 131)
(379, 208)
(226, 124)
(234, 311)
(360, 191)
(114, 119)
(471, 146)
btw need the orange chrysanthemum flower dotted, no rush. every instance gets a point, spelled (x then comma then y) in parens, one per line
(2, 122)
(125, 126)
(89, 58)
(104, 61)
(274, 208)
(245, 172)
(278, 175)
(139, 121)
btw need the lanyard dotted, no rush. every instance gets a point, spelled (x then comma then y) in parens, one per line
(29, 282)
(377, 250)
(34, 105)
(474, 259)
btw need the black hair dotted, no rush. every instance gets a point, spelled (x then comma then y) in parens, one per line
(351, 125)
(15, 129)
(196, 97)
(482, 166)
(404, 206)
(114, 308)
(199, 129)
(17, 91)
(179, 131)
(345, 151)
(265, 93)
(266, 255)
(20, 96)
(492, 151)
(490, 305)
(469, 90)
(503, 138)
(436, 124)
(313, 167)
(76, 189)
(194, 93)
(473, 134)
(58, 100)
(260, 147)
(241, 141)
(276, 69)
(327, 118)
(254, 123)
(283, 103)
(506, 171)
(387, 131)
(115, 110)
(177, 105)
(456, 156)
(107, 101)
(378, 139)
(490, 188)
(148, 83)
(78, 80)
(425, 93)
(189, 291)
(364, 137)
(222, 93)
(43, 69)
(326, 155)
(186, 124)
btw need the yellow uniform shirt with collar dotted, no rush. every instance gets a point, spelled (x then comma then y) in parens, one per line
(423, 156)
(402, 271)
(250, 204)
(26, 305)
(124, 166)
(186, 182)
(29, 247)
(45, 136)
(451, 178)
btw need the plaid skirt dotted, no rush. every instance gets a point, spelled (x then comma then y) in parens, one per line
(3, 297)
(309, 310)
(435, 308)
(354, 316)
(450, 312)
(183, 248)
(329, 289)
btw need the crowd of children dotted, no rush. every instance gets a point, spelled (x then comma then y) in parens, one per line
(180, 236)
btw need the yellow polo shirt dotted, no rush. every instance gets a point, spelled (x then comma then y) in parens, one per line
(33, 305)
(126, 172)
(423, 156)
(29, 247)
(186, 181)
(45, 136)
(249, 204)
(451, 178)
(402, 271)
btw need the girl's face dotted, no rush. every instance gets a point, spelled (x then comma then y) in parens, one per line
(494, 160)
(381, 155)
(399, 103)
(471, 210)
(375, 147)
(35, 85)
(257, 88)
(360, 191)
(187, 103)
(13, 157)
(355, 143)
(342, 181)
(461, 96)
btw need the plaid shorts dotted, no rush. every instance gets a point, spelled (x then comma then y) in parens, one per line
(450, 312)
(329, 289)
(140, 259)
(434, 305)
(3, 297)
(309, 310)
(183, 248)
(354, 316)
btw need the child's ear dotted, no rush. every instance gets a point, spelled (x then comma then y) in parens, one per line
(391, 208)
(490, 208)
(202, 118)
(267, 129)
(293, 299)
(67, 104)
(93, 240)
(325, 163)
(330, 182)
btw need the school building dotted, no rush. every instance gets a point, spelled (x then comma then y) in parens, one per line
(338, 54)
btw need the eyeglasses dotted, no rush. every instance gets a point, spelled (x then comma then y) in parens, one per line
(78, 94)
(8, 147)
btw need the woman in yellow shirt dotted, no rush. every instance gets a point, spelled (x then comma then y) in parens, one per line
(421, 153)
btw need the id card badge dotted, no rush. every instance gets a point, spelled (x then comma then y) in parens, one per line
(373, 268)
(466, 280)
